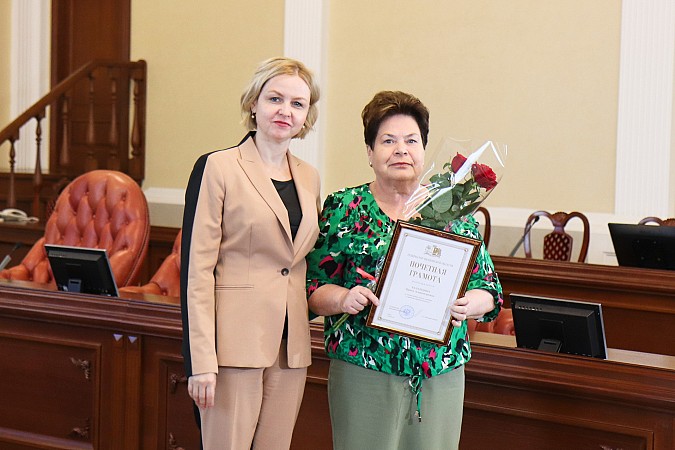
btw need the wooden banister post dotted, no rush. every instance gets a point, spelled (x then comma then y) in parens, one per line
(37, 176)
(113, 139)
(11, 198)
(136, 164)
(91, 163)
(64, 156)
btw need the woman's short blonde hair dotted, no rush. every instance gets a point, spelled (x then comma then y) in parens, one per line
(269, 69)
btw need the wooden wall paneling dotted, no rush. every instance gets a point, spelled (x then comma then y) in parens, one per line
(515, 398)
(118, 368)
(538, 432)
(53, 384)
(126, 409)
(561, 401)
(181, 428)
(115, 370)
(82, 31)
(133, 386)
(313, 428)
(167, 421)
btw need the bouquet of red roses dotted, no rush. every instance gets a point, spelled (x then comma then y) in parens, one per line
(459, 188)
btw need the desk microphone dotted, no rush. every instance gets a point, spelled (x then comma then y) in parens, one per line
(522, 238)
(8, 256)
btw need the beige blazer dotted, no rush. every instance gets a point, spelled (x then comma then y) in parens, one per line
(241, 270)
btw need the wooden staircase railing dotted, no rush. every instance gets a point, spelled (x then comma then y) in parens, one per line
(125, 149)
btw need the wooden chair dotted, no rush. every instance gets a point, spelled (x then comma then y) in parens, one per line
(558, 243)
(99, 209)
(486, 224)
(665, 222)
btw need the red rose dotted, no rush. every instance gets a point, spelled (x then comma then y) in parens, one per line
(457, 162)
(484, 176)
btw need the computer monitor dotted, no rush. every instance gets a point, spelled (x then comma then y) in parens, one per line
(647, 246)
(559, 325)
(81, 269)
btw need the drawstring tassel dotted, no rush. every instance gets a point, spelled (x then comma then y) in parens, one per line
(416, 388)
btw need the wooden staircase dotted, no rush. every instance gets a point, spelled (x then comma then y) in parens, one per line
(97, 121)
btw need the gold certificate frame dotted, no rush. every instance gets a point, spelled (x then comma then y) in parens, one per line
(424, 272)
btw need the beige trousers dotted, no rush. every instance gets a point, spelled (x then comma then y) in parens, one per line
(255, 408)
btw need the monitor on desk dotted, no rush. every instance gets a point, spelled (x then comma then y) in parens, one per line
(646, 246)
(81, 269)
(559, 325)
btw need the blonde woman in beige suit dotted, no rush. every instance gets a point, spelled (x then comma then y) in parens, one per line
(250, 218)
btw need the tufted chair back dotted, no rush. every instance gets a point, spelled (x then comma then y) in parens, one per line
(166, 281)
(99, 209)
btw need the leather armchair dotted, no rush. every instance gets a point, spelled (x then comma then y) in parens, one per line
(166, 281)
(503, 324)
(99, 209)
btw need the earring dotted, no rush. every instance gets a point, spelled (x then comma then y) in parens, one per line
(370, 163)
(252, 115)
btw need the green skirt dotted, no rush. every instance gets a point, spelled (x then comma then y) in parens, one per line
(374, 410)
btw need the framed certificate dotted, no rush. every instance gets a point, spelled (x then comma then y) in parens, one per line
(424, 272)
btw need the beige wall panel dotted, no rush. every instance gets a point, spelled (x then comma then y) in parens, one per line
(200, 56)
(541, 76)
(5, 48)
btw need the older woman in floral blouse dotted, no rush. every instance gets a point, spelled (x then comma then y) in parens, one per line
(376, 378)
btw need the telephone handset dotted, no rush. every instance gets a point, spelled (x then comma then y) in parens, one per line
(15, 215)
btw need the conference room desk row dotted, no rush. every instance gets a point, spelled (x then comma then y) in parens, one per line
(638, 305)
(88, 372)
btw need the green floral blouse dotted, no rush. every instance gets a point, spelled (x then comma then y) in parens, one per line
(354, 235)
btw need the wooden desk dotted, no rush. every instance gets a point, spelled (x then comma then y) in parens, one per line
(638, 305)
(82, 371)
(528, 400)
(523, 399)
(88, 372)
